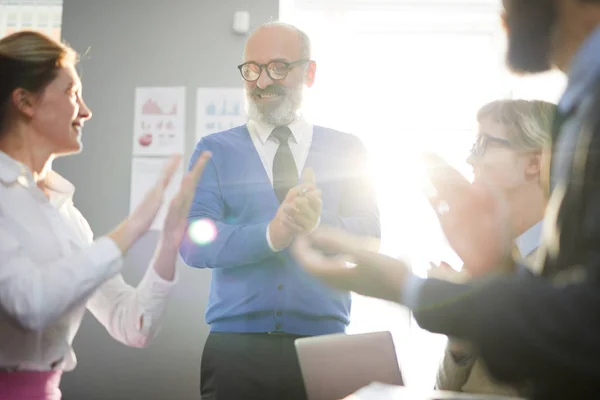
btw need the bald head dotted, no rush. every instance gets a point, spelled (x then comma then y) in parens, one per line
(276, 69)
(278, 36)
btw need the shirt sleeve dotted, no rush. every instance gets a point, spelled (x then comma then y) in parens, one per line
(132, 315)
(454, 371)
(37, 293)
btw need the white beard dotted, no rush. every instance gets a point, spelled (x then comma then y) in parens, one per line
(277, 114)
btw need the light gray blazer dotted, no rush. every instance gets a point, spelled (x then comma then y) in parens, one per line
(471, 375)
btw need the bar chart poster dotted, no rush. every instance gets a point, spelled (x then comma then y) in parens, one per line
(219, 109)
(159, 121)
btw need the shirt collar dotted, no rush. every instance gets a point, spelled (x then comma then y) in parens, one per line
(59, 185)
(11, 170)
(583, 71)
(529, 241)
(298, 129)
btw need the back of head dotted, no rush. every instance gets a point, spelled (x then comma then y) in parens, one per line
(529, 122)
(28, 60)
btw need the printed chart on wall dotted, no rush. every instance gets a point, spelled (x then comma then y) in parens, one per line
(145, 172)
(159, 122)
(218, 109)
(158, 134)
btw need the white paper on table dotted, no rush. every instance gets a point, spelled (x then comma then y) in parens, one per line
(159, 121)
(218, 109)
(145, 172)
(383, 391)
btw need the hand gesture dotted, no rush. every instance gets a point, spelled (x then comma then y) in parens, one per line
(372, 274)
(138, 222)
(283, 227)
(445, 272)
(474, 217)
(305, 205)
(179, 208)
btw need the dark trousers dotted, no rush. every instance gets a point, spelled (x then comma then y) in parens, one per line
(240, 366)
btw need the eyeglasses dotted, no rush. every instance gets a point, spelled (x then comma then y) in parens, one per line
(483, 141)
(277, 70)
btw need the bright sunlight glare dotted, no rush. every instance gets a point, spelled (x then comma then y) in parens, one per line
(405, 79)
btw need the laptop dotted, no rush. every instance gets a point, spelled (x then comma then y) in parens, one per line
(335, 366)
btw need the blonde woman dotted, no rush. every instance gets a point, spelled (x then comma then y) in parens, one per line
(507, 154)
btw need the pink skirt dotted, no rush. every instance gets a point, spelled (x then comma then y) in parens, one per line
(30, 385)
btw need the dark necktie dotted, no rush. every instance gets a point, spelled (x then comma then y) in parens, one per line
(285, 173)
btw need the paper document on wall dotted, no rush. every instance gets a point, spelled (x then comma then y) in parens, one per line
(159, 121)
(218, 109)
(145, 172)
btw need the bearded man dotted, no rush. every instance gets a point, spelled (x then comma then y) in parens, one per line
(252, 195)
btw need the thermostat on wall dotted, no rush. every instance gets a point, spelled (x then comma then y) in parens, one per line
(241, 22)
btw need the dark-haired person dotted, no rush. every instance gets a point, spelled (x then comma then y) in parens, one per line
(51, 267)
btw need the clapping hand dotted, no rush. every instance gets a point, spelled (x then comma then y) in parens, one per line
(179, 208)
(140, 220)
(299, 213)
(304, 208)
(356, 267)
(474, 217)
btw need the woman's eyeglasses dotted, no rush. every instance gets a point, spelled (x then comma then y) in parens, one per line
(484, 141)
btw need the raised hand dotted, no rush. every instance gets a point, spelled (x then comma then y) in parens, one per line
(306, 205)
(445, 272)
(176, 220)
(474, 217)
(142, 217)
(179, 208)
(283, 227)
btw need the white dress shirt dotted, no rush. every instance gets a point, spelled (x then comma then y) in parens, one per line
(527, 243)
(51, 269)
(300, 141)
(266, 146)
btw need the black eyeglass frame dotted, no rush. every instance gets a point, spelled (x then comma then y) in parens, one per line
(288, 67)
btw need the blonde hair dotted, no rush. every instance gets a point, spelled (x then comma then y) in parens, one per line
(29, 60)
(529, 122)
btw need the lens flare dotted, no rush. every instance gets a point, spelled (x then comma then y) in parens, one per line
(202, 231)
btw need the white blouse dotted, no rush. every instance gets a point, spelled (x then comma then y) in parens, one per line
(51, 269)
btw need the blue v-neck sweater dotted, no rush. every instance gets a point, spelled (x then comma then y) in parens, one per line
(254, 289)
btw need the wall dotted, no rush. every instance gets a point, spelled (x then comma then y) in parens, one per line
(143, 43)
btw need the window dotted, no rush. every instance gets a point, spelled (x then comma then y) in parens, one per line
(407, 76)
